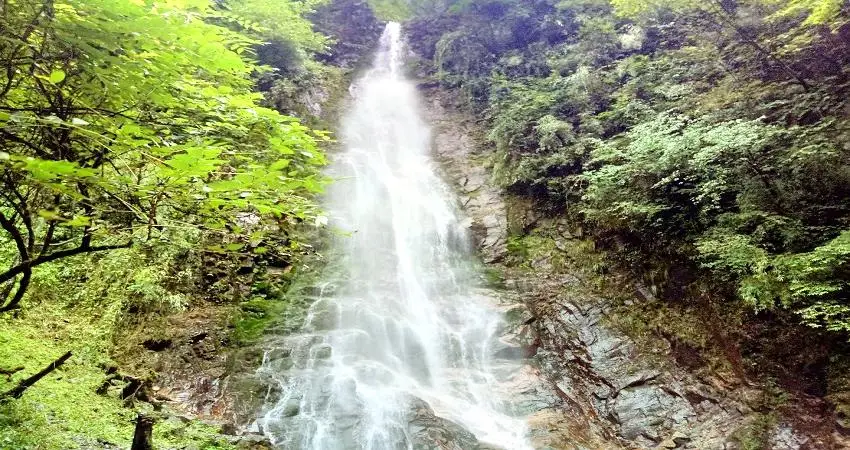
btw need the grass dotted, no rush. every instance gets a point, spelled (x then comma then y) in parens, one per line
(63, 410)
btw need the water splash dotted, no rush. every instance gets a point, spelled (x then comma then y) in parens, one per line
(406, 320)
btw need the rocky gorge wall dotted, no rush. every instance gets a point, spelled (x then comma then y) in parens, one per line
(603, 388)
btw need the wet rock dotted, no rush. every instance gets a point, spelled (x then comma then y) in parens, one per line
(785, 437)
(668, 443)
(464, 160)
(518, 314)
(513, 352)
(594, 386)
(645, 400)
(251, 442)
(322, 351)
(322, 316)
(642, 411)
(229, 428)
(527, 391)
(428, 431)
(680, 438)
(486, 446)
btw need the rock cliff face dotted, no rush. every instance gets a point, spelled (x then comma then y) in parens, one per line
(457, 144)
(353, 27)
(599, 388)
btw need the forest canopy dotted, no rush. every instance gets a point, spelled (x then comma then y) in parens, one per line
(123, 120)
(698, 138)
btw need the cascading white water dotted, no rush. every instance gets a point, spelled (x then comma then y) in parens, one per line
(406, 320)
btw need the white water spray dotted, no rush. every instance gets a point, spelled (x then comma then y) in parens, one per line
(406, 319)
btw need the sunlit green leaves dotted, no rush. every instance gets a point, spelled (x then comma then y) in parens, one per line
(56, 76)
(130, 114)
(48, 170)
(817, 12)
(193, 162)
(277, 20)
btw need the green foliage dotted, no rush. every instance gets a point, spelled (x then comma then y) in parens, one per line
(703, 135)
(175, 433)
(102, 306)
(391, 9)
(632, 8)
(755, 435)
(709, 182)
(278, 20)
(255, 316)
(137, 164)
(818, 11)
(535, 248)
(62, 410)
(814, 283)
(679, 171)
(112, 136)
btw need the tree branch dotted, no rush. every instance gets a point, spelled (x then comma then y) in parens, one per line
(752, 41)
(20, 268)
(18, 391)
(19, 293)
(14, 138)
(10, 227)
(23, 252)
(48, 237)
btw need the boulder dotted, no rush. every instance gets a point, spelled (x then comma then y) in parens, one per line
(428, 431)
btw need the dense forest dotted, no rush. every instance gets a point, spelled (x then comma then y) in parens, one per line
(161, 163)
(689, 139)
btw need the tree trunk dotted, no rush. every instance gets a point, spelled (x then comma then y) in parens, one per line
(142, 437)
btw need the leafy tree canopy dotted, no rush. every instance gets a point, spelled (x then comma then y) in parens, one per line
(689, 137)
(120, 119)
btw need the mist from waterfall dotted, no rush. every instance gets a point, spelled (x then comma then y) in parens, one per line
(407, 319)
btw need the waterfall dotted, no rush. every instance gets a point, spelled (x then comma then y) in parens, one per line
(407, 321)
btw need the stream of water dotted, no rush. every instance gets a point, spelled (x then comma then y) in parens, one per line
(407, 320)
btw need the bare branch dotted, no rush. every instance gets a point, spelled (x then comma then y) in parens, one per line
(43, 259)
(18, 391)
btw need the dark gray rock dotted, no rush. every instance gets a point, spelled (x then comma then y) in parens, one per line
(252, 442)
(463, 161)
(428, 431)
(645, 410)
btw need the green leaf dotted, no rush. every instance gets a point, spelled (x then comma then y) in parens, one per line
(78, 221)
(49, 215)
(57, 76)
